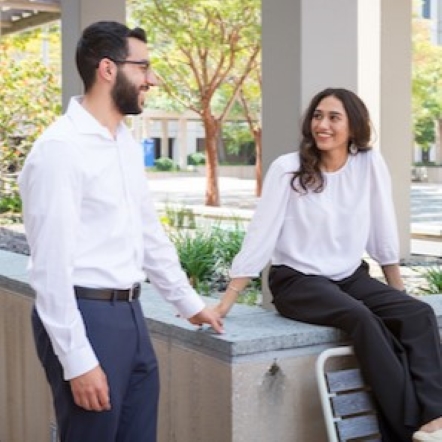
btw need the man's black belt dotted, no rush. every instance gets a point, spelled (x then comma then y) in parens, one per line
(108, 294)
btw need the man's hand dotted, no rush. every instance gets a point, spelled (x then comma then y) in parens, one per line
(206, 316)
(91, 390)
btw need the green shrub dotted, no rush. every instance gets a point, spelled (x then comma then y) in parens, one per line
(198, 254)
(179, 218)
(10, 208)
(164, 164)
(251, 296)
(30, 100)
(10, 204)
(433, 277)
(196, 159)
(229, 242)
(206, 254)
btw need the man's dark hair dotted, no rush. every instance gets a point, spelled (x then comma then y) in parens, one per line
(103, 39)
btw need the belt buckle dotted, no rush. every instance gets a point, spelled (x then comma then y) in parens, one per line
(133, 291)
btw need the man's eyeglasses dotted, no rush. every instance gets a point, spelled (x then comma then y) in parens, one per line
(144, 64)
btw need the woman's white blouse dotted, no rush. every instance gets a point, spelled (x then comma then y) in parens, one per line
(323, 233)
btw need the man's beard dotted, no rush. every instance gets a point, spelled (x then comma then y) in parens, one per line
(125, 96)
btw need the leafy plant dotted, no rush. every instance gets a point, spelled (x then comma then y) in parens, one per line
(164, 164)
(198, 47)
(236, 136)
(251, 296)
(196, 159)
(31, 99)
(206, 254)
(10, 203)
(198, 254)
(433, 278)
(179, 218)
(426, 82)
(229, 241)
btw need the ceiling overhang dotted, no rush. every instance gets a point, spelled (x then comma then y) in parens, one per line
(19, 15)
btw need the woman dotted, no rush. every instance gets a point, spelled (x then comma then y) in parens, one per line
(320, 210)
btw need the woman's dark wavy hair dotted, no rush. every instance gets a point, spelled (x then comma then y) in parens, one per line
(309, 175)
(103, 39)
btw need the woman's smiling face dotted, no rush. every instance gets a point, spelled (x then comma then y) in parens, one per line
(330, 126)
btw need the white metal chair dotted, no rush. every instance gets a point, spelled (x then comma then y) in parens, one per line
(347, 403)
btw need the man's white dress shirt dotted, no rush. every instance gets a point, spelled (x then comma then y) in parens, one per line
(90, 221)
(323, 233)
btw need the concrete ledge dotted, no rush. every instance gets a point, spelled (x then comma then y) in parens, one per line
(208, 212)
(255, 382)
(426, 231)
(249, 330)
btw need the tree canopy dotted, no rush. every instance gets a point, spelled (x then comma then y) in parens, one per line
(426, 83)
(199, 47)
(31, 99)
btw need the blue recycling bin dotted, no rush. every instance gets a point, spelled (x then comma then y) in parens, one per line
(149, 152)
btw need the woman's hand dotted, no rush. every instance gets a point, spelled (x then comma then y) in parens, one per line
(393, 276)
(208, 316)
(220, 309)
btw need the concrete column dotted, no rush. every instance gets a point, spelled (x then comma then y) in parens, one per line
(182, 143)
(317, 53)
(137, 128)
(362, 45)
(147, 126)
(281, 77)
(395, 134)
(164, 138)
(75, 16)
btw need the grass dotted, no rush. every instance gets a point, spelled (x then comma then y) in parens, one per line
(433, 277)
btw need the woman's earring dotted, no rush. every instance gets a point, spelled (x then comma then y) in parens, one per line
(353, 149)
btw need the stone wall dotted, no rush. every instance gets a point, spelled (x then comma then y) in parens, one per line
(254, 383)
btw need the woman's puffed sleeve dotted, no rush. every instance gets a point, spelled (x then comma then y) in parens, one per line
(383, 241)
(265, 226)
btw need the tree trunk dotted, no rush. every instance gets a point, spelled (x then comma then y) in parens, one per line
(211, 126)
(257, 135)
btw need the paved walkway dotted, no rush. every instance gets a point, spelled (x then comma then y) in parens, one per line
(426, 217)
(426, 205)
(235, 193)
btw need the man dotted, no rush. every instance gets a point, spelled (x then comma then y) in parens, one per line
(94, 236)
